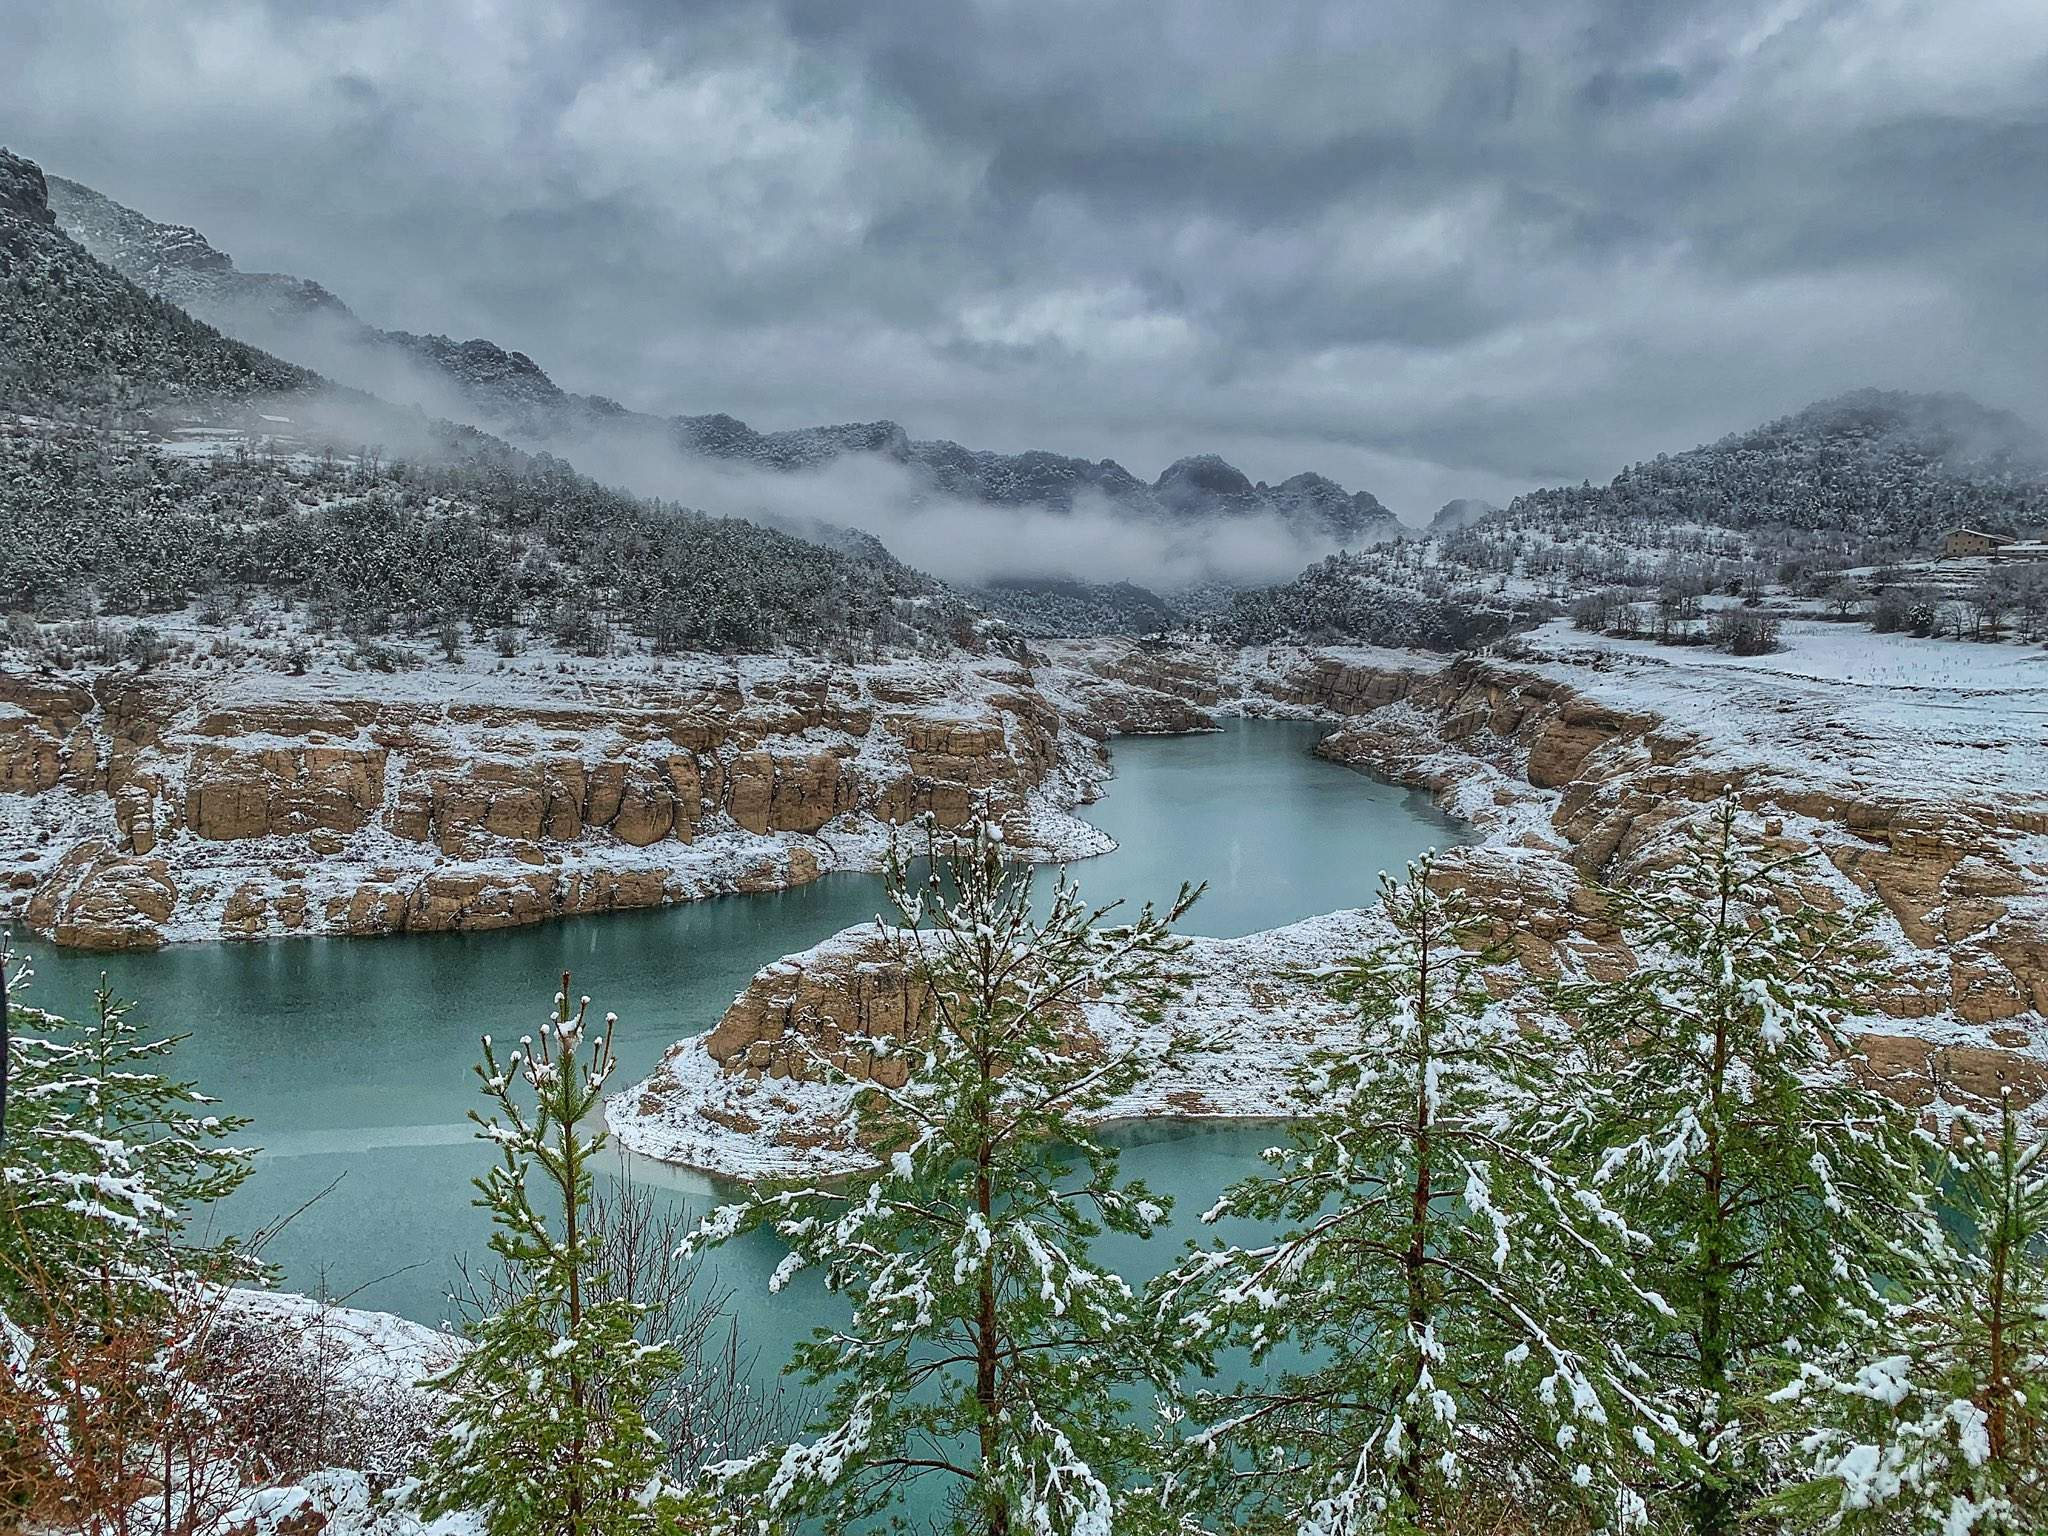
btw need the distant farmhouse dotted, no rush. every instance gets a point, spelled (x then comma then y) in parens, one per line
(1973, 541)
(1965, 542)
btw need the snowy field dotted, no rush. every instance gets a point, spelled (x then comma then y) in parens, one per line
(1839, 707)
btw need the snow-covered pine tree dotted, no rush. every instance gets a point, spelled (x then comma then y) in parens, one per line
(549, 1427)
(982, 1364)
(1778, 1193)
(107, 1296)
(1945, 1431)
(1432, 1273)
(105, 1160)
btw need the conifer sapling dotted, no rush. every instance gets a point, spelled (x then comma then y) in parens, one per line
(1432, 1269)
(982, 1363)
(1779, 1194)
(549, 1412)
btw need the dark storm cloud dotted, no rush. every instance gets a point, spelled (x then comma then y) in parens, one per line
(1432, 250)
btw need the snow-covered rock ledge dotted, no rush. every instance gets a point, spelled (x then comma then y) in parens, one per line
(1576, 762)
(143, 808)
(748, 1100)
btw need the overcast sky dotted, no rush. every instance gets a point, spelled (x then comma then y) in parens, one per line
(1430, 249)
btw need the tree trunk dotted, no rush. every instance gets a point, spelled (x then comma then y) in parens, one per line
(1998, 1385)
(565, 1084)
(1713, 1500)
(985, 1351)
(1415, 1261)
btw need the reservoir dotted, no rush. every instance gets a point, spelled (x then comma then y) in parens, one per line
(352, 1057)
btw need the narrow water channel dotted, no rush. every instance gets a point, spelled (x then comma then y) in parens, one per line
(352, 1057)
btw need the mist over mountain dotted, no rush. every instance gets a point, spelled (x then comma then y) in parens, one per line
(154, 463)
(1461, 512)
(974, 515)
(1047, 543)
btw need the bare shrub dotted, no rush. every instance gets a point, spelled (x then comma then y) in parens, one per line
(712, 1411)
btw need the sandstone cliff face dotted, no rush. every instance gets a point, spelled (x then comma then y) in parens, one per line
(139, 808)
(1548, 767)
(1962, 878)
(794, 1018)
(1571, 792)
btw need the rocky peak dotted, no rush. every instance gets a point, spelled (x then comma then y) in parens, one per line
(485, 365)
(1319, 504)
(1031, 477)
(24, 192)
(1460, 512)
(1200, 477)
(727, 437)
(177, 262)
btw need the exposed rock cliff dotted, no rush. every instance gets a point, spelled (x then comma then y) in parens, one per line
(1576, 779)
(140, 808)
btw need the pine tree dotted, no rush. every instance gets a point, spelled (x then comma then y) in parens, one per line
(1778, 1193)
(106, 1299)
(1946, 1430)
(105, 1160)
(985, 1352)
(549, 1411)
(1430, 1271)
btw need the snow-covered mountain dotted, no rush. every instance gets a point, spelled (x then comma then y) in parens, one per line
(507, 392)
(1881, 472)
(1852, 482)
(150, 464)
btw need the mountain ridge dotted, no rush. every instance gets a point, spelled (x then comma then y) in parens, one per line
(511, 393)
(149, 468)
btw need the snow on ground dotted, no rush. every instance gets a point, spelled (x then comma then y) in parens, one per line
(366, 1352)
(1839, 708)
(1253, 1022)
(336, 1502)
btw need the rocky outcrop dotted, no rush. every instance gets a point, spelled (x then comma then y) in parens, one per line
(1544, 767)
(1570, 791)
(766, 1093)
(96, 899)
(796, 1018)
(174, 806)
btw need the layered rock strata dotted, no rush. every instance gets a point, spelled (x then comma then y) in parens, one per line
(135, 809)
(1574, 782)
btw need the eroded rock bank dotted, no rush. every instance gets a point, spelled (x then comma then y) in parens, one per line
(1577, 771)
(141, 808)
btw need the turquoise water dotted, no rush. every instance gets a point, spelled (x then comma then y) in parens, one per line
(352, 1057)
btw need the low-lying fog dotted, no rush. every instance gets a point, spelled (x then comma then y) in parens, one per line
(955, 539)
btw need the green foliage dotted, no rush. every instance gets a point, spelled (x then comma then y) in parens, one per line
(371, 547)
(105, 1162)
(550, 1411)
(1779, 1196)
(1432, 1271)
(76, 337)
(1945, 1428)
(986, 1351)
